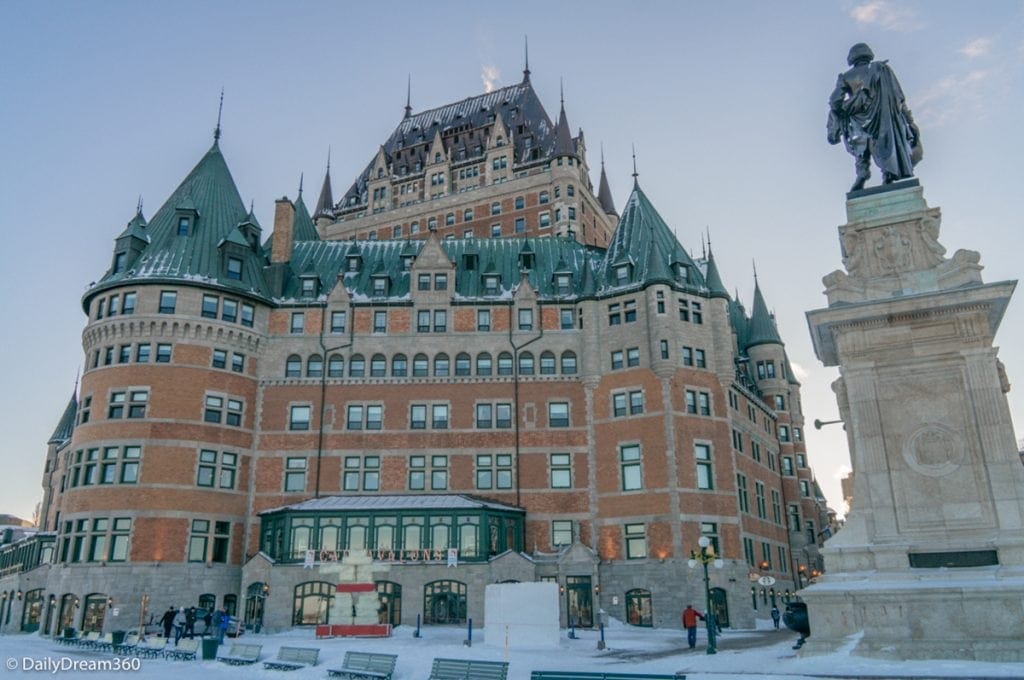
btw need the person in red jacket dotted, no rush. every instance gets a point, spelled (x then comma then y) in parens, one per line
(690, 618)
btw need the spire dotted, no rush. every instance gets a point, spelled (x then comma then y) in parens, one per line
(66, 425)
(636, 182)
(604, 192)
(563, 138)
(325, 204)
(526, 59)
(762, 326)
(408, 97)
(220, 108)
(301, 177)
(712, 277)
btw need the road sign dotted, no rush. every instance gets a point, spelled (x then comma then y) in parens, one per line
(766, 580)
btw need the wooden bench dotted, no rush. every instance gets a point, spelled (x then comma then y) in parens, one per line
(185, 650)
(468, 669)
(598, 675)
(365, 665)
(241, 654)
(293, 658)
(151, 648)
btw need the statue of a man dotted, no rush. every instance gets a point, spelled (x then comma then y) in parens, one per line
(868, 111)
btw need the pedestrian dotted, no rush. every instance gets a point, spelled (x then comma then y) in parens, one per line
(179, 624)
(190, 623)
(207, 620)
(222, 625)
(775, 616)
(690, 617)
(167, 621)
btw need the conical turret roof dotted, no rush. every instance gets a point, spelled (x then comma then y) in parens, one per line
(713, 279)
(66, 425)
(303, 229)
(762, 326)
(564, 146)
(604, 194)
(325, 204)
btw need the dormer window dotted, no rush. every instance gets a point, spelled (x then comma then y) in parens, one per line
(183, 225)
(622, 274)
(234, 268)
(380, 286)
(380, 173)
(437, 158)
(526, 261)
(491, 282)
(683, 272)
(352, 263)
(469, 261)
(309, 286)
(407, 262)
(563, 284)
(119, 259)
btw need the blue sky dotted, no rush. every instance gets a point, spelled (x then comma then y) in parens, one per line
(101, 102)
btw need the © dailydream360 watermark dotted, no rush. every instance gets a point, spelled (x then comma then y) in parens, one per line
(65, 664)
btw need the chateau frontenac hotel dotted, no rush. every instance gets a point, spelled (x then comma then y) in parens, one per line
(472, 365)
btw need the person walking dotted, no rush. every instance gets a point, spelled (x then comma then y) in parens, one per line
(222, 621)
(775, 616)
(190, 623)
(167, 621)
(207, 620)
(690, 617)
(179, 624)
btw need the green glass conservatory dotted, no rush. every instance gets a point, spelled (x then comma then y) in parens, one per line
(394, 528)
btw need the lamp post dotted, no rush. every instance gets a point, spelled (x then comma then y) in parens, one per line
(705, 556)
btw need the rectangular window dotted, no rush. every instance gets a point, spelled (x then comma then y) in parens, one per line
(440, 320)
(663, 344)
(617, 362)
(298, 322)
(168, 301)
(237, 362)
(298, 418)
(423, 321)
(700, 360)
(561, 470)
(629, 460)
(234, 413)
(687, 355)
(525, 319)
(380, 322)
(783, 433)
(636, 541)
(113, 305)
(483, 319)
(439, 416)
(691, 401)
(793, 512)
(198, 540)
(760, 500)
(776, 507)
(417, 472)
(423, 282)
(614, 314)
(211, 305)
(354, 417)
(163, 353)
(219, 358)
(438, 473)
(705, 473)
(805, 488)
(484, 417)
(558, 414)
(787, 466)
(213, 409)
(619, 404)
(362, 473)
(295, 474)
(696, 313)
(566, 320)
(124, 354)
(704, 403)
(229, 310)
(748, 553)
(629, 311)
(561, 532)
(207, 471)
(741, 492)
(418, 417)
(633, 356)
(129, 303)
(636, 402)
(338, 322)
(503, 416)
(441, 280)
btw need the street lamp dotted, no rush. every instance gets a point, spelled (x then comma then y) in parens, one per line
(705, 556)
(800, 571)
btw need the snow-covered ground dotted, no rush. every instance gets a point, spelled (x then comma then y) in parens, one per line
(741, 654)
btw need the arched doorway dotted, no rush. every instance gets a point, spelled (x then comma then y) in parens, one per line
(390, 595)
(579, 601)
(33, 611)
(95, 612)
(255, 597)
(66, 618)
(720, 607)
(638, 608)
(444, 602)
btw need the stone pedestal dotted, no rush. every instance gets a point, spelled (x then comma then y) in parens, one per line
(930, 563)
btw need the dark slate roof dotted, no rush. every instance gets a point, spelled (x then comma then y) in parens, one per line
(66, 425)
(604, 194)
(388, 502)
(762, 325)
(303, 228)
(325, 204)
(643, 240)
(518, 105)
(714, 279)
(564, 146)
(740, 323)
(210, 195)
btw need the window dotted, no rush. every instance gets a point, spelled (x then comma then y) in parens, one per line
(417, 472)
(163, 353)
(298, 322)
(315, 366)
(210, 306)
(380, 321)
(568, 362)
(776, 507)
(439, 473)
(423, 282)
(566, 319)
(380, 286)
(229, 310)
(129, 303)
(787, 466)
(700, 360)
(687, 355)
(783, 433)
(794, 517)
(558, 414)
(520, 225)
(663, 345)
(691, 401)
(378, 366)
(293, 366)
(248, 315)
(544, 219)
(496, 208)
(614, 314)
(441, 365)
(298, 418)
(797, 434)
(543, 197)
(234, 269)
(805, 488)
(440, 282)
(503, 416)
(308, 286)
(219, 358)
(548, 365)
(780, 402)
(526, 363)
(418, 417)
(182, 226)
(449, 220)
(636, 541)
(124, 354)
(801, 460)
(494, 472)
(760, 500)
(467, 214)
(295, 474)
(399, 366)
(361, 473)
(217, 470)
(439, 416)
(213, 409)
(168, 301)
(633, 356)
(561, 532)
(629, 311)
(525, 319)
(617, 360)
(737, 440)
(704, 403)
(420, 366)
(705, 474)
(495, 230)
(629, 460)
(423, 321)
(357, 366)
(483, 319)
(354, 417)
(483, 363)
(440, 320)
(505, 364)
(338, 320)
(741, 492)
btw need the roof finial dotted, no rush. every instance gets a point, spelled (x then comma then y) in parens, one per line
(252, 205)
(220, 108)
(754, 263)
(708, 228)
(703, 248)
(602, 155)
(138, 206)
(328, 158)
(301, 176)
(561, 91)
(526, 53)
(408, 97)
(635, 173)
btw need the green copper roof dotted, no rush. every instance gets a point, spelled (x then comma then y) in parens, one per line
(713, 279)
(740, 324)
(303, 228)
(66, 426)
(136, 227)
(209, 198)
(762, 325)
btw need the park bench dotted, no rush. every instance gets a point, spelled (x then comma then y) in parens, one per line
(151, 648)
(365, 665)
(241, 654)
(293, 658)
(88, 640)
(599, 675)
(70, 639)
(127, 645)
(185, 650)
(468, 669)
(104, 643)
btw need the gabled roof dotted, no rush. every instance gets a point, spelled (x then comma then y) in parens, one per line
(517, 105)
(209, 196)
(762, 325)
(66, 425)
(643, 239)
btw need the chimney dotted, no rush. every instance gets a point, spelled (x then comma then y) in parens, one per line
(284, 225)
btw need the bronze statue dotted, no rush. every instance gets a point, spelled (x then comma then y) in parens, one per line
(868, 111)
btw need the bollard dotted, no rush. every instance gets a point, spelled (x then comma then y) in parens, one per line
(600, 643)
(469, 633)
(416, 633)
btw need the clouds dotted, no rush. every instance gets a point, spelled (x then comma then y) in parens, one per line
(490, 75)
(886, 15)
(979, 47)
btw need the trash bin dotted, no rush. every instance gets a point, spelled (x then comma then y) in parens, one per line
(69, 632)
(117, 637)
(209, 648)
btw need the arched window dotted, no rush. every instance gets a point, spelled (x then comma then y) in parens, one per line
(638, 608)
(33, 610)
(483, 363)
(467, 214)
(94, 610)
(505, 363)
(231, 604)
(526, 363)
(449, 219)
(293, 366)
(399, 366)
(357, 366)
(68, 607)
(547, 363)
(207, 601)
(441, 365)
(315, 366)
(255, 596)
(312, 603)
(378, 366)
(568, 362)
(463, 364)
(420, 366)
(444, 602)
(336, 366)
(389, 594)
